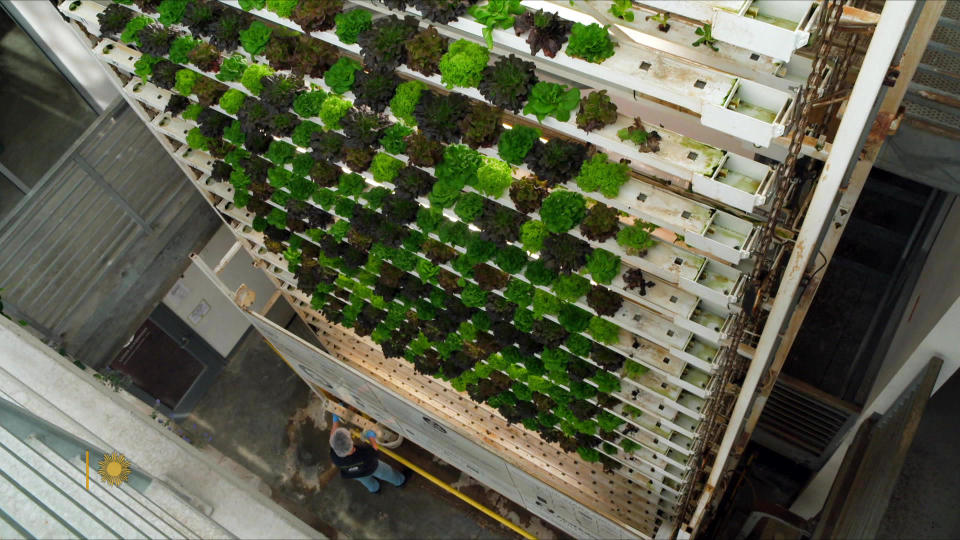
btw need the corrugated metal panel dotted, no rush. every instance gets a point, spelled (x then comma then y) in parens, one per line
(113, 191)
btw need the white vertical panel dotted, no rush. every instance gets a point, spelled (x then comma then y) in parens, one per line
(436, 436)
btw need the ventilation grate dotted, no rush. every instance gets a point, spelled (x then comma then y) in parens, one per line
(802, 422)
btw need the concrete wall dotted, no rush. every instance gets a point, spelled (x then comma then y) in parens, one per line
(936, 291)
(51, 387)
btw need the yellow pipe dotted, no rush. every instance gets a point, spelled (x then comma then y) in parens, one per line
(507, 523)
(459, 495)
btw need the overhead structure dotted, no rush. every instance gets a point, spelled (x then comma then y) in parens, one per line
(571, 328)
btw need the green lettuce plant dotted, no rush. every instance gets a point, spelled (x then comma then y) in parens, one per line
(459, 166)
(131, 32)
(494, 177)
(232, 68)
(171, 11)
(405, 100)
(394, 139)
(563, 210)
(514, 144)
(511, 259)
(463, 64)
(622, 9)
(185, 81)
(231, 100)
(385, 167)
(250, 5)
(143, 67)
(254, 39)
(600, 174)
(303, 164)
(352, 23)
(283, 8)
(251, 79)
(341, 75)
(303, 134)
(473, 296)
(334, 108)
(706, 37)
(308, 104)
(545, 303)
(280, 152)
(604, 331)
(532, 235)
(496, 14)
(574, 320)
(590, 42)
(180, 47)
(636, 238)
(519, 291)
(469, 207)
(570, 287)
(197, 141)
(552, 99)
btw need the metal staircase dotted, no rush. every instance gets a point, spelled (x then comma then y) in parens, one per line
(927, 143)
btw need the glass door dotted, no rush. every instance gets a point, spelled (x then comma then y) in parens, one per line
(41, 114)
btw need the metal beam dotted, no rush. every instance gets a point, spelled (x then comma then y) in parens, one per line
(98, 179)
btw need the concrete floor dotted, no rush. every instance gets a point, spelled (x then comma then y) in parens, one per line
(260, 414)
(925, 498)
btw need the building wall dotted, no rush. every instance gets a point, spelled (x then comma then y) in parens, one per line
(936, 291)
(55, 390)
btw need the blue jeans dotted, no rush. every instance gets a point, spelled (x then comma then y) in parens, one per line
(384, 472)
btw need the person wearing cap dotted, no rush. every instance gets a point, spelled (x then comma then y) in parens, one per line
(361, 462)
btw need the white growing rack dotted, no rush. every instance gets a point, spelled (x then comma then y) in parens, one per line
(677, 330)
(767, 27)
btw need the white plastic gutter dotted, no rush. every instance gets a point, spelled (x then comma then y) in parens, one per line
(846, 146)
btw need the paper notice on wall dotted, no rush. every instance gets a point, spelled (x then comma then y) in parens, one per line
(199, 312)
(177, 294)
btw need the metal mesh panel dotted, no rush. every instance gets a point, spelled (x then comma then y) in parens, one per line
(943, 83)
(941, 60)
(934, 115)
(946, 34)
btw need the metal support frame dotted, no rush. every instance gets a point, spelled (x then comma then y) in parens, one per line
(112, 193)
(850, 135)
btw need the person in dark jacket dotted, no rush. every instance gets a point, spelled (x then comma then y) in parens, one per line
(361, 462)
